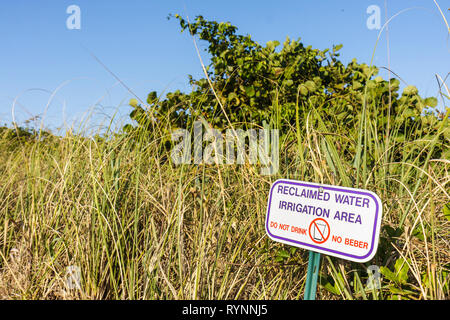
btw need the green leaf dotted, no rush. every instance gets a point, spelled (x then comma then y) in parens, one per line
(401, 267)
(250, 91)
(152, 97)
(128, 128)
(410, 90)
(419, 231)
(400, 291)
(283, 254)
(328, 284)
(134, 103)
(310, 85)
(272, 44)
(303, 90)
(337, 47)
(393, 233)
(431, 102)
(446, 211)
(331, 288)
(356, 85)
(388, 273)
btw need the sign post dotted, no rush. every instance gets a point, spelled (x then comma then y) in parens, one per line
(337, 221)
(312, 275)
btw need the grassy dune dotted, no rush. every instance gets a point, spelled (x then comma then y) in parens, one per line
(140, 227)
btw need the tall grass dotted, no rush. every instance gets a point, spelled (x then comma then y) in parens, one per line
(140, 227)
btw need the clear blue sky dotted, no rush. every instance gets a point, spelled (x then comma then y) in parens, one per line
(140, 45)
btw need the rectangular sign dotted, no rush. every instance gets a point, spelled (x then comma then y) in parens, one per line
(337, 221)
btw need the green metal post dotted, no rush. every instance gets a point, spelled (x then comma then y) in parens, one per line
(312, 275)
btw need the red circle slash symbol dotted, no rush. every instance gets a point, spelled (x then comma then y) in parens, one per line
(319, 230)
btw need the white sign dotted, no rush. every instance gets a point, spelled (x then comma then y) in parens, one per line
(337, 221)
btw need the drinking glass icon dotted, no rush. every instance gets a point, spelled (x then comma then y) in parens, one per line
(319, 231)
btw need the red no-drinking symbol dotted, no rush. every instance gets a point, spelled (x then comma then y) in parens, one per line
(319, 230)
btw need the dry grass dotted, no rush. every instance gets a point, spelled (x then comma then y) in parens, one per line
(140, 227)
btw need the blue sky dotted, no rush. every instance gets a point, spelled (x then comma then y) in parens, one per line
(136, 41)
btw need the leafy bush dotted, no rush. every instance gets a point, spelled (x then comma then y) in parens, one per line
(248, 84)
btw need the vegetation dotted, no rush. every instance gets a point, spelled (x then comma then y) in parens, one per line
(141, 227)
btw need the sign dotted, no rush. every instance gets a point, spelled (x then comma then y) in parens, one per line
(337, 221)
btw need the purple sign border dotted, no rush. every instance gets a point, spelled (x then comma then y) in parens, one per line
(324, 187)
